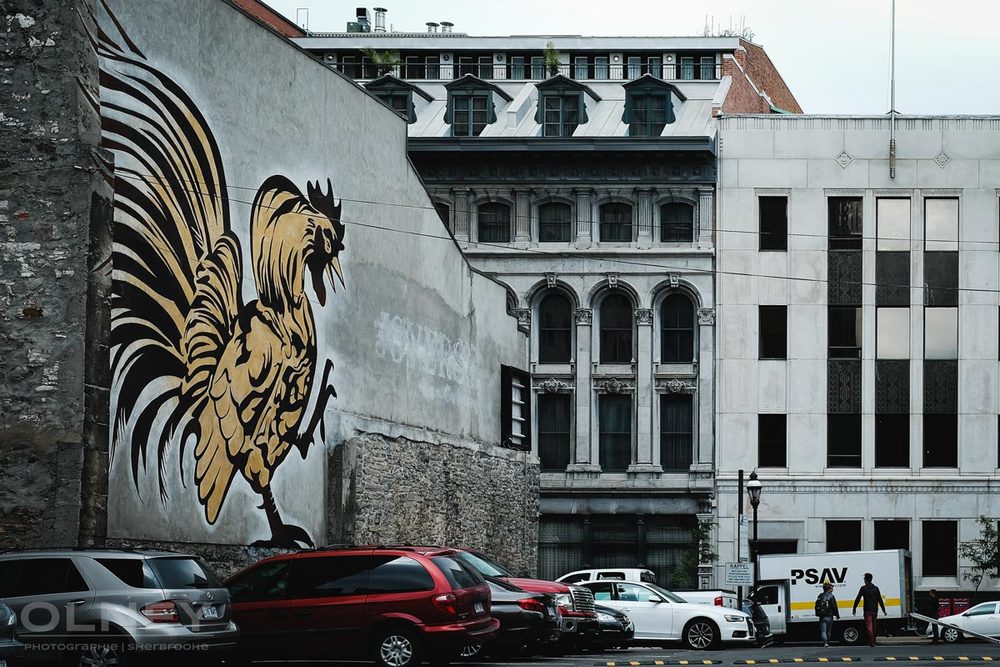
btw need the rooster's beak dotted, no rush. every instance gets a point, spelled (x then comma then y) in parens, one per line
(335, 268)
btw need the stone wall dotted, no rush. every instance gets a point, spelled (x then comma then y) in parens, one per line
(48, 176)
(395, 490)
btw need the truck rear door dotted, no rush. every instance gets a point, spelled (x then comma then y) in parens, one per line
(771, 598)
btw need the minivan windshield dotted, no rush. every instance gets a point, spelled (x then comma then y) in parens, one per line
(481, 565)
(183, 573)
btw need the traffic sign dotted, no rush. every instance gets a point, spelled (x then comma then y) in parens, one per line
(739, 574)
(743, 530)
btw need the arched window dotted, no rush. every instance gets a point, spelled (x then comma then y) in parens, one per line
(677, 222)
(555, 333)
(677, 330)
(494, 223)
(616, 330)
(616, 222)
(554, 222)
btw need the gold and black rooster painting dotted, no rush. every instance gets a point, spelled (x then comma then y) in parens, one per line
(216, 379)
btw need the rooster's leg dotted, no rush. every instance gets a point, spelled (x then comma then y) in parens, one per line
(283, 536)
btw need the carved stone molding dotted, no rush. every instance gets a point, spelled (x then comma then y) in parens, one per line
(643, 316)
(675, 279)
(553, 386)
(584, 316)
(676, 386)
(706, 316)
(550, 280)
(523, 316)
(613, 280)
(615, 386)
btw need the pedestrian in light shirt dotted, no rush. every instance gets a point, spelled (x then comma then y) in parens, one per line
(872, 598)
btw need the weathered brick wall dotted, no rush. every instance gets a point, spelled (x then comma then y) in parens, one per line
(386, 491)
(48, 129)
(742, 97)
(755, 73)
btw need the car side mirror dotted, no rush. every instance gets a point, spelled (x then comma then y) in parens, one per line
(656, 599)
(966, 614)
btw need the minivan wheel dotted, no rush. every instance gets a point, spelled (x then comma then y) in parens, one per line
(700, 634)
(111, 654)
(396, 647)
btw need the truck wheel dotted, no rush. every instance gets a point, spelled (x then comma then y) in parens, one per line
(851, 634)
(700, 634)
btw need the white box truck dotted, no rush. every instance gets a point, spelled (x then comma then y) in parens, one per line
(788, 585)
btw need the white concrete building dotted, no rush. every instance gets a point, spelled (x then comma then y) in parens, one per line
(857, 319)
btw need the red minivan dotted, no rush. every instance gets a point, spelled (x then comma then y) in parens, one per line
(395, 605)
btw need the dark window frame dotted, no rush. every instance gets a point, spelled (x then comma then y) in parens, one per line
(615, 340)
(555, 445)
(677, 228)
(614, 225)
(843, 440)
(773, 222)
(560, 114)
(838, 339)
(470, 114)
(678, 338)
(615, 446)
(772, 437)
(494, 218)
(561, 330)
(843, 535)
(677, 431)
(772, 332)
(939, 548)
(554, 228)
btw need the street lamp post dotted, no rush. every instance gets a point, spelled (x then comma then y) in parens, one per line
(754, 488)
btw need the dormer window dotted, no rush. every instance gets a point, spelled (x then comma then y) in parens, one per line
(562, 106)
(397, 95)
(471, 105)
(649, 106)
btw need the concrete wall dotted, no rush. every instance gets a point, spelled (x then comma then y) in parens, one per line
(809, 159)
(51, 204)
(416, 338)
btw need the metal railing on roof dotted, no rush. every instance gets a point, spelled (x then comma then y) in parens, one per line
(527, 71)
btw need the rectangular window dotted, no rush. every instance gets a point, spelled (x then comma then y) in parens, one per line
(941, 278)
(940, 333)
(601, 67)
(555, 413)
(844, 216)
(687, 68)
(554, 223)
(892, 333)
(892, 278)
(676, 432)
(772, 441)
(940, 440)
(615, 421)
(892, 534)
(773, 222)
(616, 222)
(581, 67)
(707, 68)
(517, 67)
(649, 115)
(940, 548)
(538, 67)
(892, 440)
(892, 224)
(773, 332)
(515, 408)
(844, 330)
(561, 115)
(634, 67)
(470, 115)
(843, 440)
(941, 224)
(843, 536)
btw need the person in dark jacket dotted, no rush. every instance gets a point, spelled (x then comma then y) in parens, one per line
(826, 610)
(933, 607)
(872, 597)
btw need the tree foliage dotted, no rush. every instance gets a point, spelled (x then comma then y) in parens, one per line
(699, 552)
(551, 55)
(982, 553)
(383, 61)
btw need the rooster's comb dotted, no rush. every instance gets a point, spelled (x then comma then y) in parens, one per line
(326, 203)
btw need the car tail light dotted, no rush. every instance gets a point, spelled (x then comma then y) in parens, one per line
(446, 603)
(531, 604)
(161, 612)
(718, 600)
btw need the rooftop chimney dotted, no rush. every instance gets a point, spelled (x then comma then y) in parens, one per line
(380, 19)
(446, 26)
(432, 26)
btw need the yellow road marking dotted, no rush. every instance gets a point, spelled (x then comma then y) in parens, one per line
(773, 661)
(846, 659)
(610, 664)
(634, 663)
(889, 657)
(797, 660)
(987, 658)
(962, 657)
(682, 662)
(937, 657)
(707, 662)
(658, 662)
(824, 659)
(913, 657)
(751, 662)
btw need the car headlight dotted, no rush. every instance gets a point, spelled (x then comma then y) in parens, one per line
(565, 600)
(7, 617)
(606, 618)
(733, 618)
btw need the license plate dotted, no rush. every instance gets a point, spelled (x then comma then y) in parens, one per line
(478, 607)
(206, 613)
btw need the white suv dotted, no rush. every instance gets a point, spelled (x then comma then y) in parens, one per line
(609, 574)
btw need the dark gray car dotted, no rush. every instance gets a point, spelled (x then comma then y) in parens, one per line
(104, 607)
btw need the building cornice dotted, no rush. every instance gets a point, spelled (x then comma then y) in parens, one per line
(560, 144)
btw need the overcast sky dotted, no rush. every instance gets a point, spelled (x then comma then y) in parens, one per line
(833, 54)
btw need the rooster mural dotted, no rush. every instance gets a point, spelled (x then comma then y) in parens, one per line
(231, 383)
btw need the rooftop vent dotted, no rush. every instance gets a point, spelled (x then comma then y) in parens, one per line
(432, 26)
(380, 19)
(363, 22)
(446, 26)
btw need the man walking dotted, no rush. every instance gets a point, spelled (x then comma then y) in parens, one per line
(826, 610)
(872, 597)
(933, 606)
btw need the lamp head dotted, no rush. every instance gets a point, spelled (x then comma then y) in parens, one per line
(754, 488)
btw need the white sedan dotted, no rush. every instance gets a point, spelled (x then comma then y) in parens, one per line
(982, 619)
(661, 617)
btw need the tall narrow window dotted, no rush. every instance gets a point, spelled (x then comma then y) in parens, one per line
(940, 548)
(676, 432)
(616, 222)
(773, 332)
(843, 440)
(555, 332)
(555, 413)
(773, 223)
(615, 421)
(494, 223)
(554, 223)
(772, 441)
(616, 330)
(677, 330)
(843, 535)
(845, 222)
(561, 115)
(677, 223)
(844, 332)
